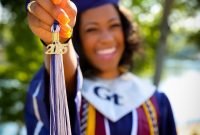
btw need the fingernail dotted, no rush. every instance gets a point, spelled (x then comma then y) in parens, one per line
(63, 3)
(64, 27)
(63, 19)
(69, 33)
(66, 34)
(56, 2)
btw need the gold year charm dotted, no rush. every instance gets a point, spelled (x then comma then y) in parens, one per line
(56, 47)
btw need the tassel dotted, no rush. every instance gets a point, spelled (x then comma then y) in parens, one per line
(59, 111)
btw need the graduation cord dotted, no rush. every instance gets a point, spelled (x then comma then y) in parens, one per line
(152, 119)
(59, 112)
(84, 116)
(88, 118)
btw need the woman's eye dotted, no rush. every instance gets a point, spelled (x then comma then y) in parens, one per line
(115, 25)
(91, 29)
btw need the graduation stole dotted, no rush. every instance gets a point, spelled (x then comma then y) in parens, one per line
(59, 112)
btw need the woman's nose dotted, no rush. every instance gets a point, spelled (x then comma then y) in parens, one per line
(107, 36)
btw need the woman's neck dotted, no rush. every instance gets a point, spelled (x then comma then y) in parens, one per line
(109, 74)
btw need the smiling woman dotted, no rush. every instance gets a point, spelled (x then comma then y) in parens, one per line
(102, 39)
(109, 101)
(109, 36)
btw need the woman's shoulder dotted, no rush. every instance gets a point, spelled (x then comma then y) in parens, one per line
(161, 98)
(164, 105)
(167, 124)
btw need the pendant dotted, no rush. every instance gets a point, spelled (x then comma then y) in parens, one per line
(56, 47)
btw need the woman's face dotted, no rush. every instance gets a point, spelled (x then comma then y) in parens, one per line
(102, 39)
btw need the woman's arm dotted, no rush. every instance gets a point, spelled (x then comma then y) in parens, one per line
(40, 19)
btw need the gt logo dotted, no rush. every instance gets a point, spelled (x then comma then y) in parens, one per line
(106, 94)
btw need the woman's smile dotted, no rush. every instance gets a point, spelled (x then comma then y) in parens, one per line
(106, 54)
(102, 39)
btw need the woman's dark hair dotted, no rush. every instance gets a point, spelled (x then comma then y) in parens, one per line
(132, 42)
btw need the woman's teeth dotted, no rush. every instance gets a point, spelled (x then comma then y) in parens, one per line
(106, 51)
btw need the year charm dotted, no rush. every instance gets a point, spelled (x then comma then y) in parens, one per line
(56, 47)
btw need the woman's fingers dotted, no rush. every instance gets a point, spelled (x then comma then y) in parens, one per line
(65, 33)
(57, 13)
(44, 12)
(39, 28)
(42, 30)
(71, 10)
(56, 2)
(41, 14)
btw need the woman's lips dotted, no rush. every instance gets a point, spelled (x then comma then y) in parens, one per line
(106, 53)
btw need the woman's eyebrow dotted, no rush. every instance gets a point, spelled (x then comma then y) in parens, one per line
(114, 19)
(89, 23)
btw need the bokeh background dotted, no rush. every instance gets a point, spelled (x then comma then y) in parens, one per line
(170, 31)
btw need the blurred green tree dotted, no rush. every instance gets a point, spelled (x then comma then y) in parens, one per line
(157, 30)
(23, 57)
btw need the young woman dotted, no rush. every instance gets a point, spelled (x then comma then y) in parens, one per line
(113, 100)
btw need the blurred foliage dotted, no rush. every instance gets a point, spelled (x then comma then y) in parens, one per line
(11, 101)
(148, 14)
(23, 56)
(195, 38)
(23, 52)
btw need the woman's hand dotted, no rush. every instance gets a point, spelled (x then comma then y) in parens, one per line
(44, 12)
(41, 16)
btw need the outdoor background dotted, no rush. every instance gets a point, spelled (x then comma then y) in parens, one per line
(170, 31)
